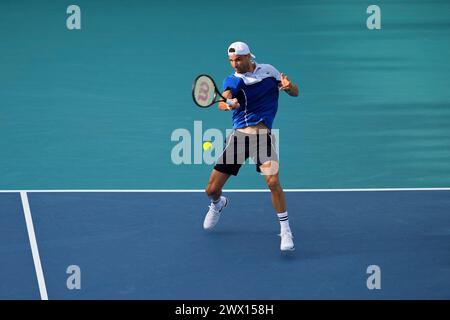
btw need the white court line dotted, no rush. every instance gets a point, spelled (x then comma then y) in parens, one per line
(229, 190)
(34, 246)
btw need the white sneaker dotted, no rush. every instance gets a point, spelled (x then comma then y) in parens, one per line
(287, 244)
(213, 215)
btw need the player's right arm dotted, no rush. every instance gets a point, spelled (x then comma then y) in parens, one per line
(225, 106)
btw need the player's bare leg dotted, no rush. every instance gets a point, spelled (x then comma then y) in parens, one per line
(270, 171)
(273, 182)
(216, 182)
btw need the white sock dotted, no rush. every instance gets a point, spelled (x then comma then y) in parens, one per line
(284, 221)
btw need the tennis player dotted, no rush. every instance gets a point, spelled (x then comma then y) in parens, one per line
(254, 91)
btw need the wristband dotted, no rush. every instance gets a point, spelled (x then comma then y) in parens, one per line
(229, 102)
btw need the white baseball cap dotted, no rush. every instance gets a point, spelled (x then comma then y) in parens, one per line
(240, 49)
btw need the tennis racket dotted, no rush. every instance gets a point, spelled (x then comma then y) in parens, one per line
(205, 92)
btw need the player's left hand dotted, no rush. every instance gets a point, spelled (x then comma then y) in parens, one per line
(285, 82)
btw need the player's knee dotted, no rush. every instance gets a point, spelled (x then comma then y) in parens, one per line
(273, 183)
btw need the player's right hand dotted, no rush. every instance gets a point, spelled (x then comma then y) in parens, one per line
(225, 106)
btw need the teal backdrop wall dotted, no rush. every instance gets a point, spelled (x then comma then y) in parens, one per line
(95, 108)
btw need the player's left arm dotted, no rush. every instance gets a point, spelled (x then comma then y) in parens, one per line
(287, 85)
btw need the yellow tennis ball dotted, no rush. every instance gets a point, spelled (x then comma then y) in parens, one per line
(207, 145)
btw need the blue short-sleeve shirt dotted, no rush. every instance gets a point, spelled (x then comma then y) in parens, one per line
(257, 93)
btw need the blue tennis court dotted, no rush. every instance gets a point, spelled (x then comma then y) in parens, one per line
(150, 245)
(102, 169)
